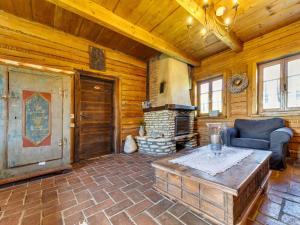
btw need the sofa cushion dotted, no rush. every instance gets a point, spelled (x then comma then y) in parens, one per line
(258, 129)
(250, 143)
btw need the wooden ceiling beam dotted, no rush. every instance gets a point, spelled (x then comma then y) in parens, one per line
(100, 15)
(196, 11)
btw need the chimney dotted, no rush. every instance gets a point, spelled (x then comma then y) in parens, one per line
(168, 82)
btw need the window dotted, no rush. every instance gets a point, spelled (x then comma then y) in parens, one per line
(279, 85)
(210, 95)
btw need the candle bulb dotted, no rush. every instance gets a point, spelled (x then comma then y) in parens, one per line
(235, 3)
(205, 3)
(227, 21)
(203, 31)
(190, 21)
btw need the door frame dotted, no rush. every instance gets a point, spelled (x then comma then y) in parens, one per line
(116, 109)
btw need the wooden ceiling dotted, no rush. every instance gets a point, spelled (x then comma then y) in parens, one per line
(256, 18)
(168, 20)
(165, 19)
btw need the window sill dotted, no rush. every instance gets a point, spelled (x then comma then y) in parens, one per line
(277, 114)
(211, 117)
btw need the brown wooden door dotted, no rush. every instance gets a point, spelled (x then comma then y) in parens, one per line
(96, 125)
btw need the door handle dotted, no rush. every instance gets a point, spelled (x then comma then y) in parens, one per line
(5, 97)
(60, 142)
(12, 96)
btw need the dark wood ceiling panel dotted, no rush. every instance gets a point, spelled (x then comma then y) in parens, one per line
(20, 8)
(113, 40)
(42, 12)
(88, 30)
(138, 50)
(67, 21)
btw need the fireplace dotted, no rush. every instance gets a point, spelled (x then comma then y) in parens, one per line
(168, 128)
(182, 125)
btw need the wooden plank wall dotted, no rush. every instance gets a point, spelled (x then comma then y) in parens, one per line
(25, 41)
(276, 44)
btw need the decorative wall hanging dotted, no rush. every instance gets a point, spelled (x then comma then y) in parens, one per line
(36, 119)
(97, 58)
(238, 83)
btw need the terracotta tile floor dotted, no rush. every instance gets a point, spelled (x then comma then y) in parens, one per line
(117, 189)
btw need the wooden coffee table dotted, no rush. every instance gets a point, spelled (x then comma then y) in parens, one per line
(223, 199)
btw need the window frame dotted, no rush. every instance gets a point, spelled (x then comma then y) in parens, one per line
(283, 86)
(210, 81)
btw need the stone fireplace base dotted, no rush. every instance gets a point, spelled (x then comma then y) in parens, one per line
(164, 146)
(166, 127)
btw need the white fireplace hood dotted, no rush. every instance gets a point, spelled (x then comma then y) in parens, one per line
(173, 75)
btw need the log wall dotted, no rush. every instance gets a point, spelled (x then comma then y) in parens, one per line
(279, 43)
(25, 41)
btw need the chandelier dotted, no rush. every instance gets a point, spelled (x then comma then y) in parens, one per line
(222, 16)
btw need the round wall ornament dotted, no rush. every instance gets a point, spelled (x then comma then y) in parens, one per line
(238, 83)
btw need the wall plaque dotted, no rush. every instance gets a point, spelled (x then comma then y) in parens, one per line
(36, 119)
(97, 58)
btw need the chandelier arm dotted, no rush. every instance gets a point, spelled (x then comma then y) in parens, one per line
(205, 16)
(228, 27)
(235, 14)
(218, 21)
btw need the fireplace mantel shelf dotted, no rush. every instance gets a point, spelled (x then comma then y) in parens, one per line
(171, 107)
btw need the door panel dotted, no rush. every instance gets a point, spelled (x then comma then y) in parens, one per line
(35, 125)
(96, 117)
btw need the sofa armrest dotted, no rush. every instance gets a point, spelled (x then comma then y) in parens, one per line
(228, 134)
(280, 137)
(279, 140)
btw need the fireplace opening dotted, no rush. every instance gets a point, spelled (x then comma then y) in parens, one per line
(182, 125)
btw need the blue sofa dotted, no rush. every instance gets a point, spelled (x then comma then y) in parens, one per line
(270, 135)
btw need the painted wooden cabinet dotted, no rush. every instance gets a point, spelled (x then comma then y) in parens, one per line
(35, 118)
